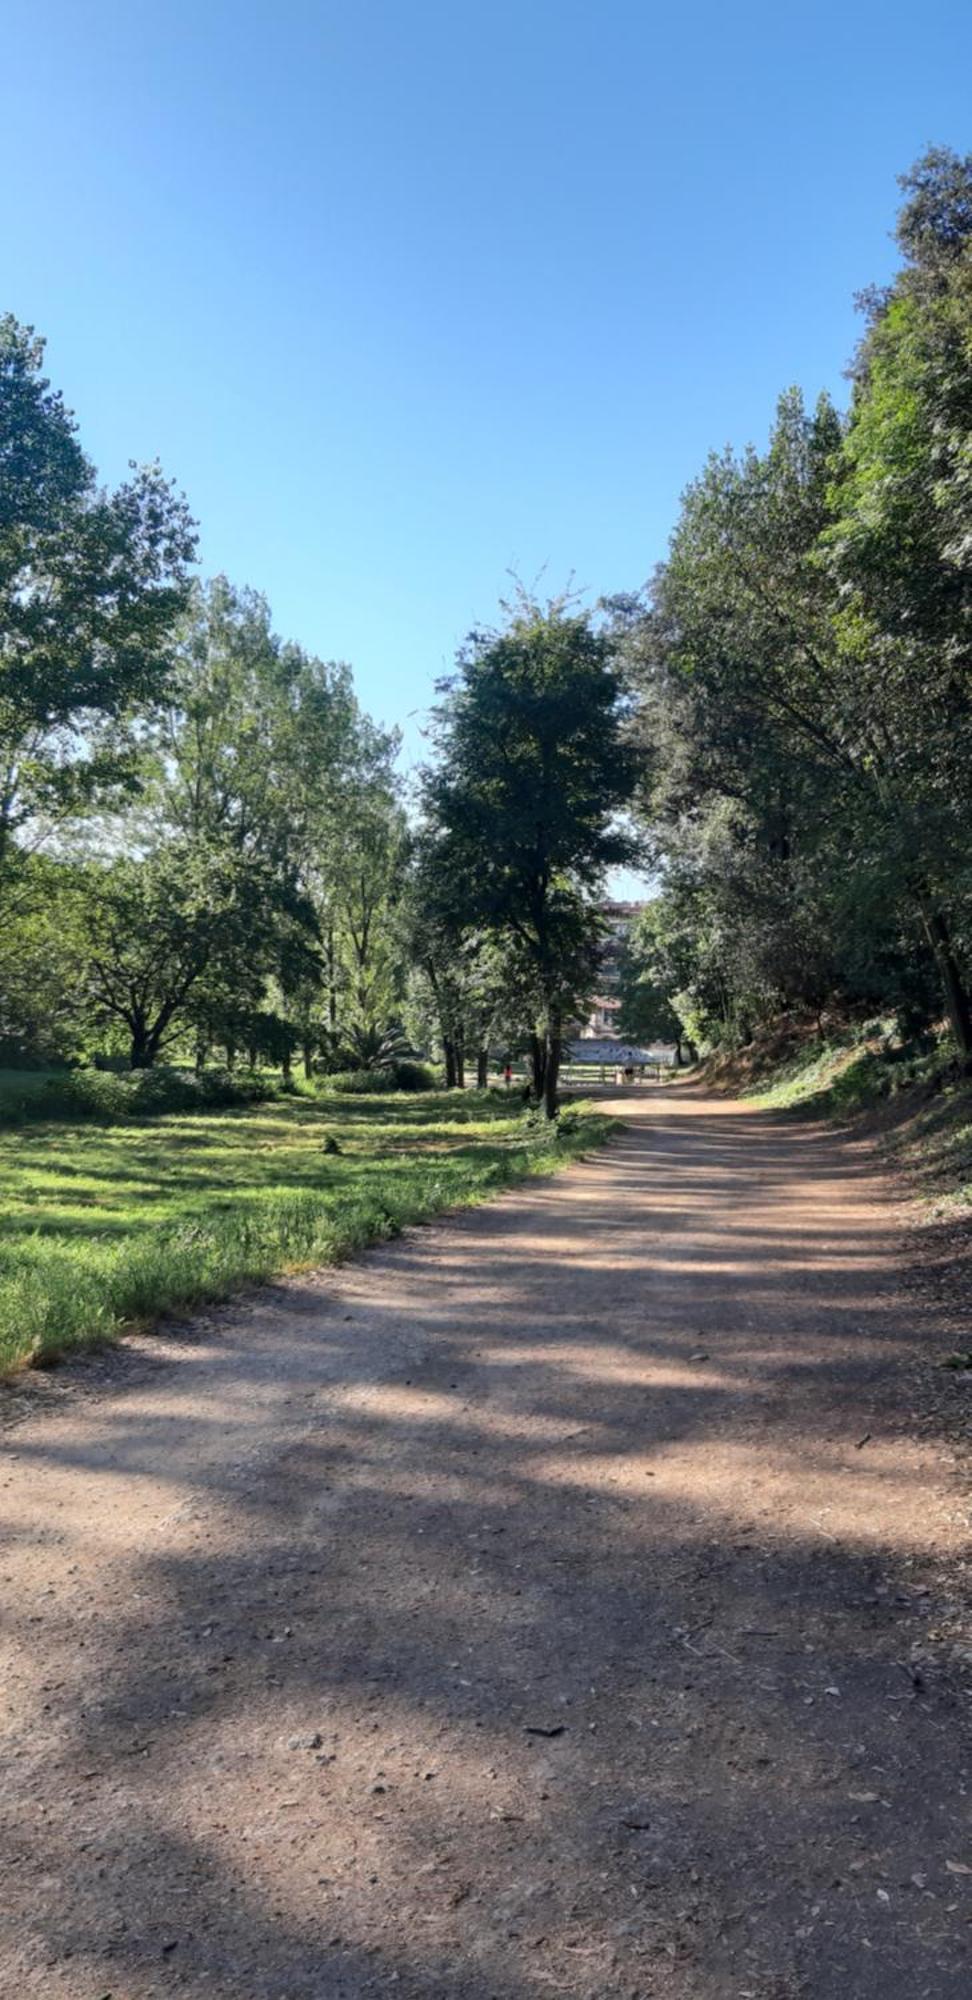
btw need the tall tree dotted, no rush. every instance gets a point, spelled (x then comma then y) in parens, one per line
(366, 881)
(734, 661)
(261, 755)
(466, 977)
(900, 553)
(532, 774)
(786, 731)
(90, 585)
(651, 983)
(152, 929)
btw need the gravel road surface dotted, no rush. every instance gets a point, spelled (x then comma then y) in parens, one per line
(555, 1601)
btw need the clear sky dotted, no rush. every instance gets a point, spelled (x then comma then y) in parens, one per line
(407, 292)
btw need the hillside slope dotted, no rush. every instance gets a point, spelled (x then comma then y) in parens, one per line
(917, 1105)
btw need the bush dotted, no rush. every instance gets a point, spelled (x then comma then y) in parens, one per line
(146, 1093)
(222, 1091)
(152, 1092)
(86, 1093)
(361, 1082)
(414, 1076)
(400, 1075)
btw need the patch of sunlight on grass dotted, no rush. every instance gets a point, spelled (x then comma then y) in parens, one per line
(103, 1227)
(817, 1078)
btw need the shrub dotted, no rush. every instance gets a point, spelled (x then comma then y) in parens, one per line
(414, 1076)
(147, 1093)
(361, 1082)
(86, 1093)
(151, 1092)
(401, 1075)
(221, 1090)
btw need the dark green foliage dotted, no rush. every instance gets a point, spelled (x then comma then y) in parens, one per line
(522, 807)
(399, 1075)
(371, 1047)
(360, 1082)
(111, 1097)
(415, 1076)
(90, 585)
(651, 975)
(805, 670)
(935, 224)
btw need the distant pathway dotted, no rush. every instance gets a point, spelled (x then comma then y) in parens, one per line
(546, 1604)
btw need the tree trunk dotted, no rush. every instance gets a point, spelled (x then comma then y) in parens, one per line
(956, 993)
(449, 1052)
(202, 1051)
(552, 1068)
(146, 1043)
(538, 1065)
(142, 1053)
(286, 1064)
(331, 981)
(482, 1069)
(460, 1062)
(308, 1054)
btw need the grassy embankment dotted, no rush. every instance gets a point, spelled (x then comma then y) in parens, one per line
(107, 1226)
(919, 1103)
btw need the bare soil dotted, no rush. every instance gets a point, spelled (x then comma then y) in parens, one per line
(561, 1600)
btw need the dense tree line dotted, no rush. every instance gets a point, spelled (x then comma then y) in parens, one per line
(204, 850)
(200, 831)
(804, 670)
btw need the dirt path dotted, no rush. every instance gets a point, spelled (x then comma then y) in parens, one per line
(516, 1612)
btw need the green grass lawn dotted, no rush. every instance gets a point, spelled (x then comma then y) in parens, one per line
(104, 1227)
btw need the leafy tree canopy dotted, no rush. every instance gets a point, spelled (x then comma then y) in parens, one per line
(90, 585)
(524, 802)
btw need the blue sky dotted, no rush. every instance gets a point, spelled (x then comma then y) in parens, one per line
(407, 294)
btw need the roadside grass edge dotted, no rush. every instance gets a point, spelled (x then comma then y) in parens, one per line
(56, 1308)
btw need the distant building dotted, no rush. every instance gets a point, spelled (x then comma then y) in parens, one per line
(603, 1017)
(605, 1008)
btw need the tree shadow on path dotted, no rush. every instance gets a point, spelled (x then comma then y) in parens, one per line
(542, 1605)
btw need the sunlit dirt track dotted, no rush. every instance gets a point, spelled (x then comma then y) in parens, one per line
(545, 1604)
